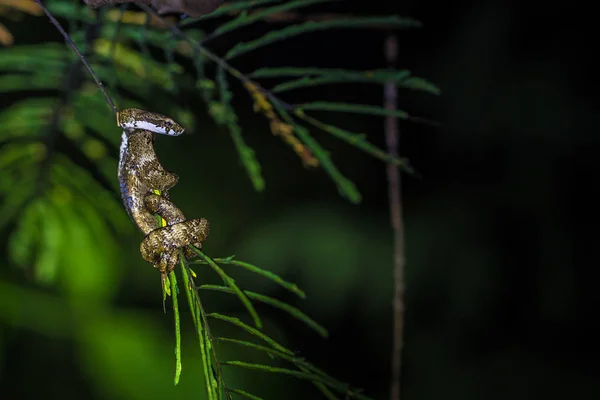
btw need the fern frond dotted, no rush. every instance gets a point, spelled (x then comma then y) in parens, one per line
(400, 78)
(352, 108)
(300, 375)
(313, 26)
(292, 287)
(245, 19)
(246, 153)
(228, 8)
(251, 330)
(229, 281)
(245, 394)
(345, 187)
(293, 311)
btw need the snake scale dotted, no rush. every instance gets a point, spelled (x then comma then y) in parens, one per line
(140, 174)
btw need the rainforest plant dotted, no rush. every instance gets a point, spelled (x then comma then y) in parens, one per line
(135, 51)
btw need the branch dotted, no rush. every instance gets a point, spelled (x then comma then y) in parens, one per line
(395, 199)
(109, 100)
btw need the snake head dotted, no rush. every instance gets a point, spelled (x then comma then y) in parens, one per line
(134, 118)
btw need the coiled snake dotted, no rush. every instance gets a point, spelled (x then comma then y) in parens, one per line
(140, 174)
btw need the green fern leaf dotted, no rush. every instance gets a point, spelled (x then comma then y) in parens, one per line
(293, 311)
(23, 82)
(300, 375)
(345, 187)
(26, 118)
(227, 8)
(359, 140)
(252, 331)
(72, 11)
(417, 83)
(245, 394)
(244, 19)
(229, 281)
(352, 108)
(312, 26)
(292, 287)
(246, 153)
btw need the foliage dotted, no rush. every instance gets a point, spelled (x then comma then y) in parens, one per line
(58, 207)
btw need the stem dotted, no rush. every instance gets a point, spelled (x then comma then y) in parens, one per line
(394, 190)
(81, 57)
(173, 279)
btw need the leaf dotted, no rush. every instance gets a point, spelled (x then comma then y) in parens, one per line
(23, 82)
(312, 26)
(246, 153)
(229, 281)
(247, 19)
(413, 83)
(26, 118)
(359, 141)
(28, 7)
(245, 394)
(345, 187)
(352, 108)
(6, 38)
(174, 291)
(293, 311)
(300, 375)
(252, 331)
(145, 68)
(417, 83)
(227, 8)
(292, 287)
(199, 319)
(72, 11)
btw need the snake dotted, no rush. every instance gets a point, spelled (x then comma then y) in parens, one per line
(140, 174)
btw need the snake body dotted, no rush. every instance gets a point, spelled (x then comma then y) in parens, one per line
(140, 174)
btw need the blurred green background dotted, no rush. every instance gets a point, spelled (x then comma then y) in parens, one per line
(500, 278)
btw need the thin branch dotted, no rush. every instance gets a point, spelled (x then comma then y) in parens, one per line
(395, 198)
(81, 57)
(215, 58)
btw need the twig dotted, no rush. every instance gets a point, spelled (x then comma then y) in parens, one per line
(81, 57)
(394, 190)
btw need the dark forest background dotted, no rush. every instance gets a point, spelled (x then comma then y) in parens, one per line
(501, 279)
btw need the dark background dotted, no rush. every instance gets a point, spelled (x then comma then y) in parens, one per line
(501, 279)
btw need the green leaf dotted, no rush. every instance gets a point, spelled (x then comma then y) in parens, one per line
(71, 11)
(174, 291)
(352, 108)
(245, 19)
(23, 82)
(400, 79)
(229, 281)
(345, 187)
(252, 331)
(26, 118)
(300, 363)
(227, 8)
(203, 339)
(38, 58)
(245, 394)
(293, 311)
(292, 287)
(300, 375)
(312, 26)
(359, 140)
(245, 152)
(417, 83)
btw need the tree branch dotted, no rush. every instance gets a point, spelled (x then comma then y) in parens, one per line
(395, 199)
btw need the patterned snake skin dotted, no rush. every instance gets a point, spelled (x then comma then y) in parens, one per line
(140, 173)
